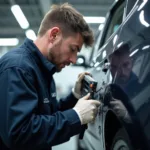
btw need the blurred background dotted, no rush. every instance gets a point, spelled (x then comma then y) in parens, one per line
(21, 18)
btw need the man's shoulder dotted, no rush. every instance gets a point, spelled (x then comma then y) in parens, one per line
(18, 57)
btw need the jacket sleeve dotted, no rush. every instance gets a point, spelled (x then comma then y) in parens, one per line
(67, 103)
(21, 127)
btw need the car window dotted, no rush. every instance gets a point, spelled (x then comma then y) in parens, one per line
(114, 21)
(96, 46)
(130, 5)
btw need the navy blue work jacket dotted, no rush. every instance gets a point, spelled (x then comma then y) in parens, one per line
(30, 117)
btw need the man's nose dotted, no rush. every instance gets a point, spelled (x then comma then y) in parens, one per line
(73, 59)
(122, 71)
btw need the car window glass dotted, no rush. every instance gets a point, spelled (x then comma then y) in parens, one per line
(130, 5)
(116, 20)
(96, 46)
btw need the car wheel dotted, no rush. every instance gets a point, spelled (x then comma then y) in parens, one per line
(121, 141)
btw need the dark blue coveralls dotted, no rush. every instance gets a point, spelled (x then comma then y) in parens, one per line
(30, 117)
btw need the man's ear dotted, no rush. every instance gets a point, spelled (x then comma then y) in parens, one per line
(53, 33)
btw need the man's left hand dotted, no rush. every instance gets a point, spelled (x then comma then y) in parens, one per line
(120, 110)
(118, 107)
(77, 88)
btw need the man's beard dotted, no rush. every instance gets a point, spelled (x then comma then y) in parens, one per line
(53, 60)
(122, 80)
(58, 69)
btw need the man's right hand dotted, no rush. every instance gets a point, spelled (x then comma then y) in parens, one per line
(87, 109)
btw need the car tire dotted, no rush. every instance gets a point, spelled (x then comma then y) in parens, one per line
(121, 141)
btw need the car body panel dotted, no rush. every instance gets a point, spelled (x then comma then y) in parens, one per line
(133, 89)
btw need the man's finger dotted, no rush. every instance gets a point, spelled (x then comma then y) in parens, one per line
(116, 108)
(113, 103)
(81, 76)
(95, 102)
(86, 97)
(83, 73)
(114, 99)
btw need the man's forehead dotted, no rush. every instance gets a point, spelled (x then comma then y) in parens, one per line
(77, 42)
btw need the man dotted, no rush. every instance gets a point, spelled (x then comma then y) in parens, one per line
(30, 117)
(122, 74)
(121, 68)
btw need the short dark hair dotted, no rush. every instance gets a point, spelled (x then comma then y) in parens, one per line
(69, 20)
(121, 51)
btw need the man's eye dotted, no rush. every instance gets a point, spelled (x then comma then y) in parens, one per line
(73, 50)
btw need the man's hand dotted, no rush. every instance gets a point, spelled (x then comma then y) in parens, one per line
(77, 88)
(87, 109)
(120, 110)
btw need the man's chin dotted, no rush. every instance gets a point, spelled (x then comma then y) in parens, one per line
(122, 81)
(59, 69)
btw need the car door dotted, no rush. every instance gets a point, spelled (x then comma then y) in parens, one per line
(135, 33)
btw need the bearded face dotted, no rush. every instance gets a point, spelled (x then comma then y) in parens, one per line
(122, 66)
(64, 51)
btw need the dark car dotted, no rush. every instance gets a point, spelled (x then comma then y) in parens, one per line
(121, 65)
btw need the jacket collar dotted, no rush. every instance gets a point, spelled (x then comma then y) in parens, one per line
(40, 59)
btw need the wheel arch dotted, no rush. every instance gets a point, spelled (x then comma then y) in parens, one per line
(111, 126)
